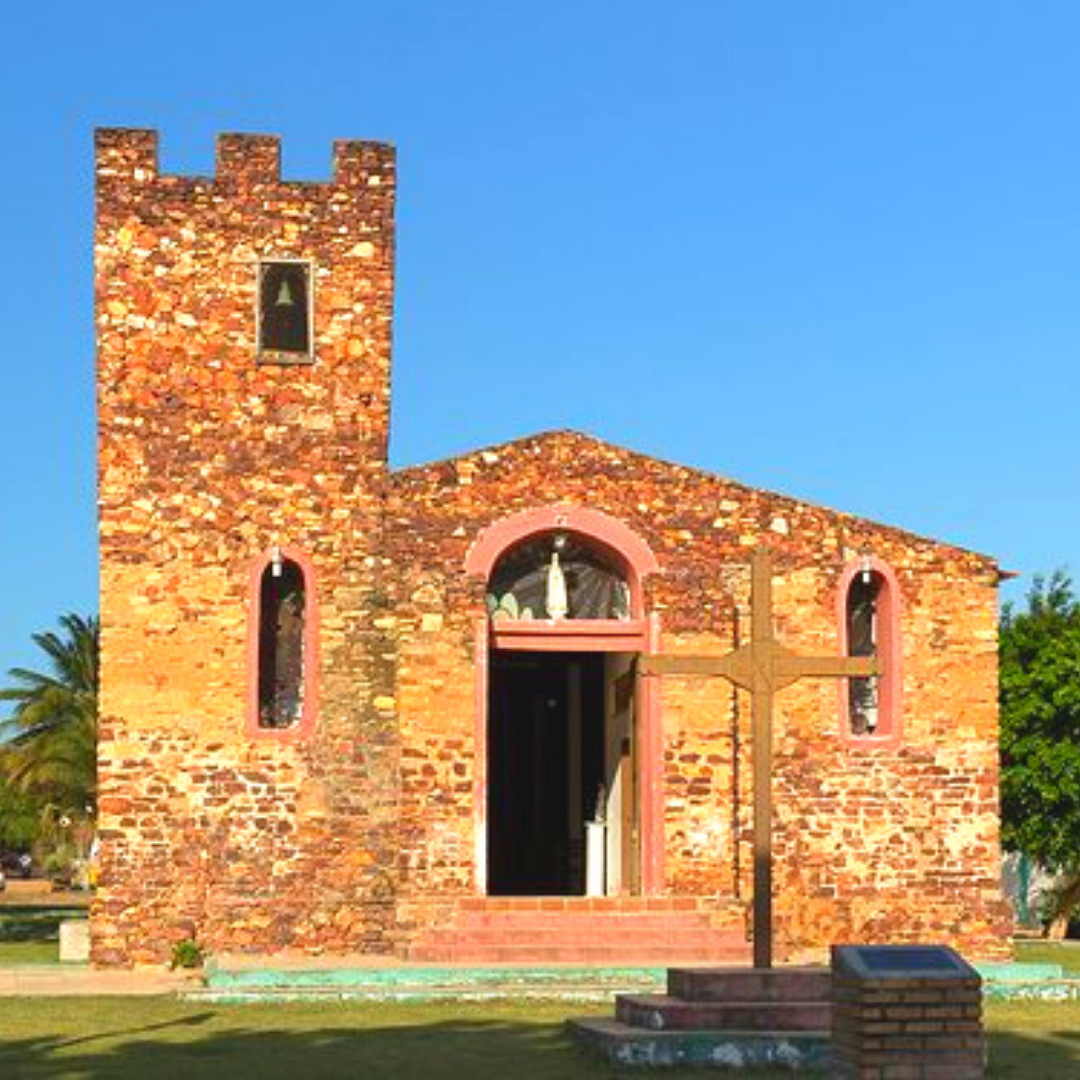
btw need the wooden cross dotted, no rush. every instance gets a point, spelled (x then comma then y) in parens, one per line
(762, 666)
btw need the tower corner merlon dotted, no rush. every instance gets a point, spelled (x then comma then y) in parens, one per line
(360, 163)
(127, 155)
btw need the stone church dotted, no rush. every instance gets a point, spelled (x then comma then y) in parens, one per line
(349, 709)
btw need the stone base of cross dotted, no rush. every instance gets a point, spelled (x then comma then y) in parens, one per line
(762, 667)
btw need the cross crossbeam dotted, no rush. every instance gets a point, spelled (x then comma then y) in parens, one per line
(781, 669)
(762, 666)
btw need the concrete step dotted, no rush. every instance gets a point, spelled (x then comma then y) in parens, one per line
(589, 920)
(531, 953)
(654, 932)
(621, 904)
(692, 938)
(750, 984)
(660, 1012)
(621, 1044)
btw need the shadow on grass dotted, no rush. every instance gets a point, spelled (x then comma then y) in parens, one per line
(461, 1050)
(224, 1043)
(1052, 1056)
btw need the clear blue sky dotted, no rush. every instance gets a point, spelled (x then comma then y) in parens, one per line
(634, 219)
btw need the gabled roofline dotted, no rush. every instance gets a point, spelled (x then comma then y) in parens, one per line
(410, 471)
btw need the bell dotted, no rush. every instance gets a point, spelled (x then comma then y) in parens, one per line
(284, 296)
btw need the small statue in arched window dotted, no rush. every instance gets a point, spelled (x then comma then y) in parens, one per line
(557, 576)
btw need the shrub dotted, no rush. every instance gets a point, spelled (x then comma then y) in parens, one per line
(187, 953)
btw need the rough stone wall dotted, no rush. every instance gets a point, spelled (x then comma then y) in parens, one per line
(871, 843)
(365, 833)
(208, 460)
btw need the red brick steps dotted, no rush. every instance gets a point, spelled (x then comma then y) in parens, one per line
(661, 1012)
(609, 930)
(740, 1017)
(742, 984)
(734, 999)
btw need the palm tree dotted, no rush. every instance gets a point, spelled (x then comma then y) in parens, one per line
(48, 747)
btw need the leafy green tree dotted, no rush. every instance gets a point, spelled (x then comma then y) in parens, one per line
(49, 745)
(20, 818)
(1040, 736)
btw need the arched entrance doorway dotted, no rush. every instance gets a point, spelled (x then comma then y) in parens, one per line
(567, 737)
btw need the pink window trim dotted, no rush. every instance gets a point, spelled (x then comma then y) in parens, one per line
(305, 725)
(651, 774)
(890, 652)
(480, 756)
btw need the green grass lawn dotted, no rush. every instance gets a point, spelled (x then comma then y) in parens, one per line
(1065, 953)
(88, 1039)
(31, 935)
(81, 1038)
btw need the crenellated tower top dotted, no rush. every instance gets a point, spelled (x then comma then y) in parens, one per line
(130, 155)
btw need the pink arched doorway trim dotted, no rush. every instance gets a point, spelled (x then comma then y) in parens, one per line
(890, 652)
(640, 633)
(601, 529)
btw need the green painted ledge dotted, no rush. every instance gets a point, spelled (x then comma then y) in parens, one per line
(1018, 971)
(409, 983)
(1002, 982)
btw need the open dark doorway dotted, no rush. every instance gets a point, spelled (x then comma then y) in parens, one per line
(545, 769)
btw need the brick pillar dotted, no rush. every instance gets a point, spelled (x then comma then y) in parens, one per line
(906, 1012)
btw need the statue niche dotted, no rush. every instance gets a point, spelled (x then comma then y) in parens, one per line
(557, 576)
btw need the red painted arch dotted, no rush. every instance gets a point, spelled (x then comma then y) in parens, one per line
(597, 528)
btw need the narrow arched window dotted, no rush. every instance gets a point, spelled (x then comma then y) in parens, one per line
(870, 614)
(282, 644)
(864, 628)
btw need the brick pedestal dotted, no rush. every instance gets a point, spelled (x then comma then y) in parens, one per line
(906, 1013)
(732, 1018)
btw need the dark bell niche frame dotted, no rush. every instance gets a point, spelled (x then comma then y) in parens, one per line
(285, 312)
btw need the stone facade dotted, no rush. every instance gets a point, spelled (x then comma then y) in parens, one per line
(361, 832)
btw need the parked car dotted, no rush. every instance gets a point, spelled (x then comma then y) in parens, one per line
(16, 864)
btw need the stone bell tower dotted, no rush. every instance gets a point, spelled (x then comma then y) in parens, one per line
(243, 330)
